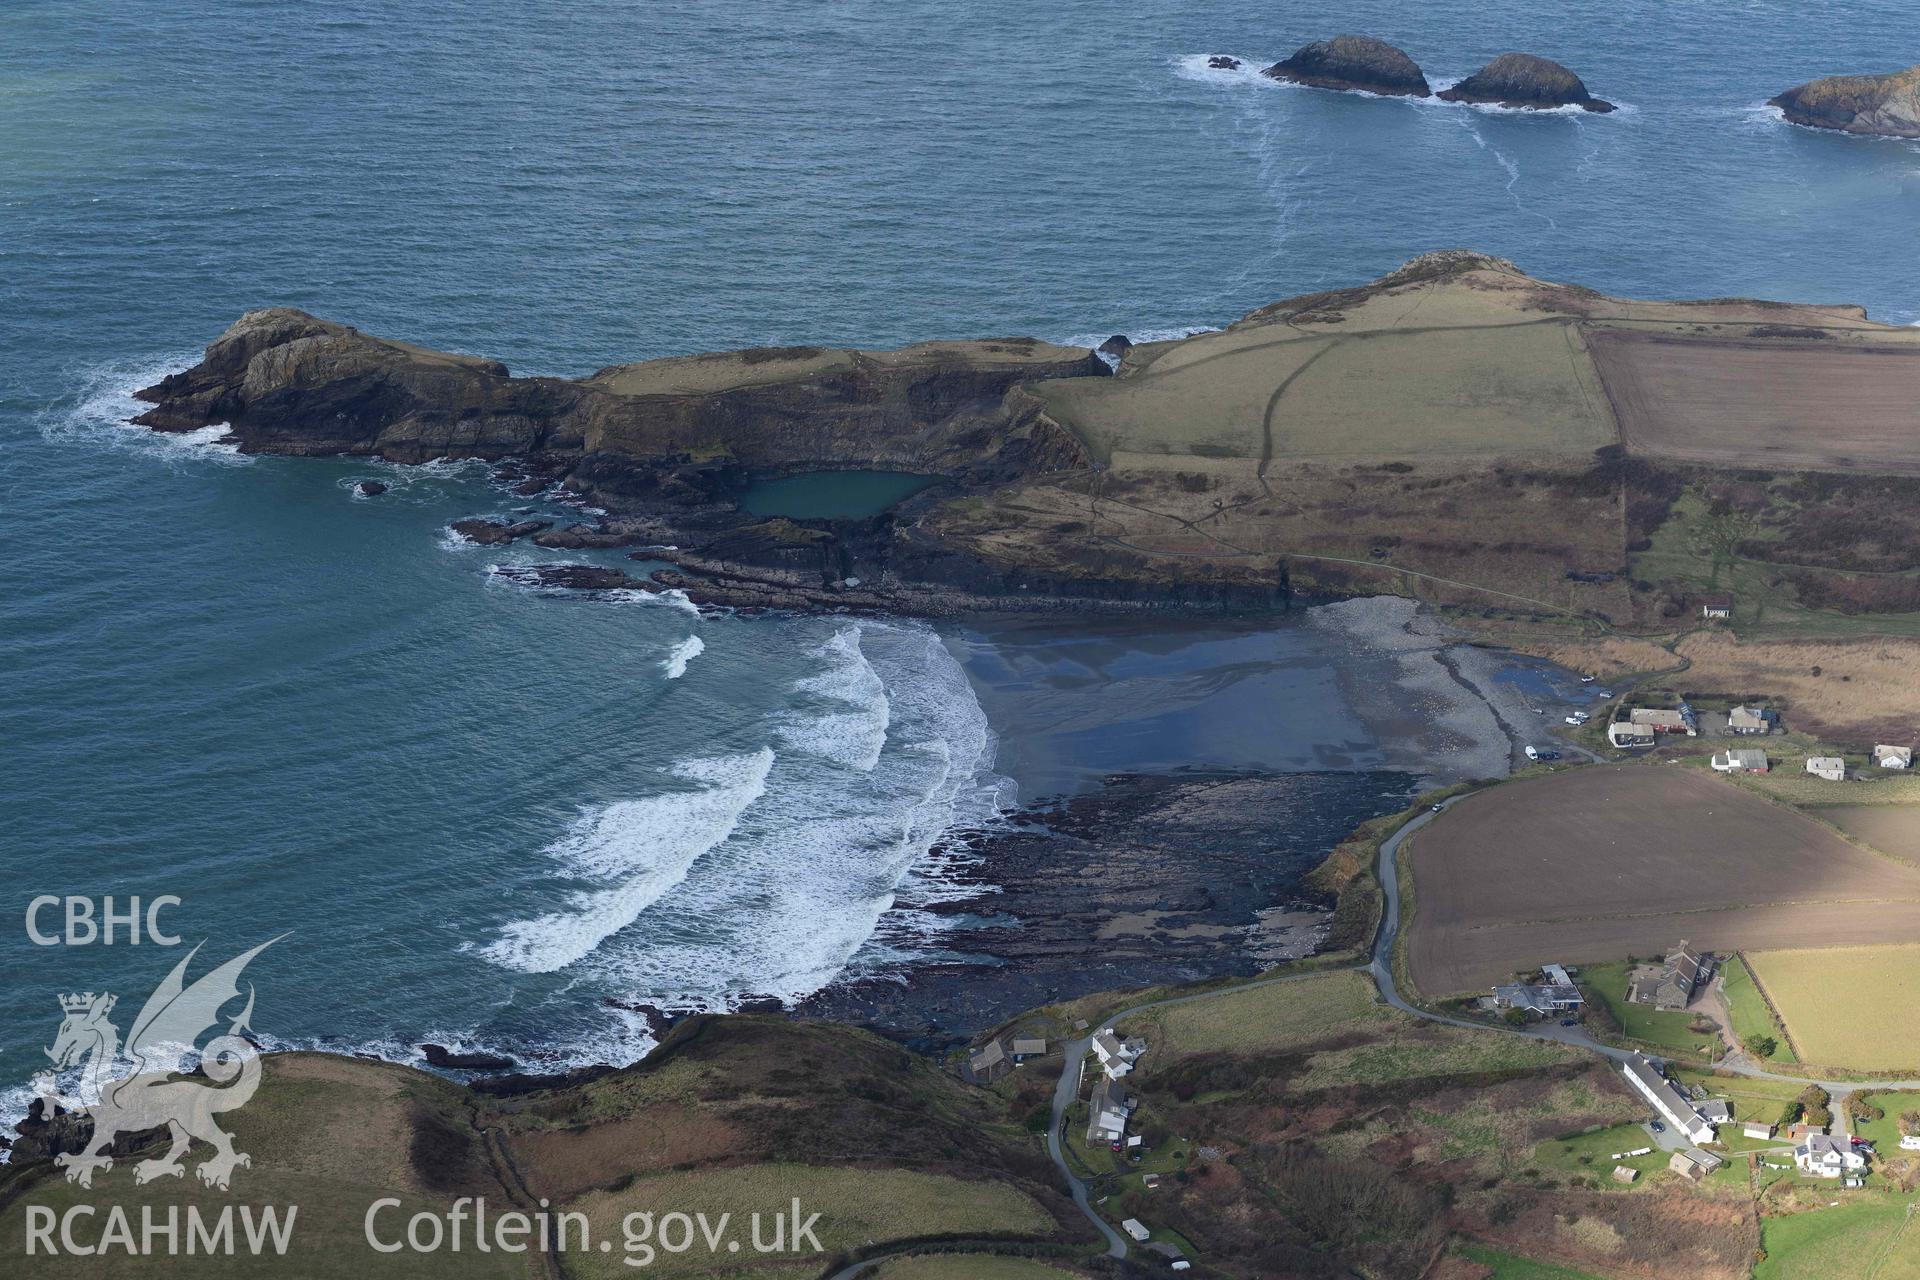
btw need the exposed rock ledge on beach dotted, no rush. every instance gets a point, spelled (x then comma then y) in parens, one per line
(1524, 81)
(1358, 63)
(1885, 105)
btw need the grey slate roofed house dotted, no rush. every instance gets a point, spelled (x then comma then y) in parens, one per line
(1893, 757)
(1748, 720)
(1107, 1111)
(1029, 1046)
(1741, 760)
(1678, 980)
(989, 1062)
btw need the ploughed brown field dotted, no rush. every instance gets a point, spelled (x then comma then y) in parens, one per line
(1780, 405)
(1600, 863)
(1891, 828)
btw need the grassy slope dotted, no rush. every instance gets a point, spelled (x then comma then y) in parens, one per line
(329, 1135)
(1867, 1237)
(737, 1114)
(1511, 1266)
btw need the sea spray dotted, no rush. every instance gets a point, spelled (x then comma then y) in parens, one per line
(804, 882)
(640, 849)
(674, 665)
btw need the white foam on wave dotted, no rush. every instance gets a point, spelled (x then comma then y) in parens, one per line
(100, 410)
(851, 728)
(670, 598)
(674, 665)
(824, 871)
(639, 849)
(1193, 66)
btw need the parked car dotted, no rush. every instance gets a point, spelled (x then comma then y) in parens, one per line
(1657, 1127)
(1569, 1022)
(1588, 679)
(1438, 807)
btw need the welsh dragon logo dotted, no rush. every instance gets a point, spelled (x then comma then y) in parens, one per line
(148, 1096)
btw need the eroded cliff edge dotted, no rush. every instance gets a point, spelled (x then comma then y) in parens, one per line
(1512, 453)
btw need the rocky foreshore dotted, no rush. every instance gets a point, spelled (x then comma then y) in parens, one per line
(1150, 879)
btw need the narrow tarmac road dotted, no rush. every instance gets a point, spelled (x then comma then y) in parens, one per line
(1382, 970)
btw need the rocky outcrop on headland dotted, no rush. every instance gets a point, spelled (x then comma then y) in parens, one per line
(286, 382)
(1886, 106)
(1358, 63)
(1524, 81)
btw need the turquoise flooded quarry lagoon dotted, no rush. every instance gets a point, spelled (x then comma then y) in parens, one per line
(832, 495)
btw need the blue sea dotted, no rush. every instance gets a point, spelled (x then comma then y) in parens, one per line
(484, 813)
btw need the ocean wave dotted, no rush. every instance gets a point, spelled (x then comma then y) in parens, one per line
(824, 875)
(852, 729)
(642, 849)
(675, 663)
(100, 410)
(670, 598)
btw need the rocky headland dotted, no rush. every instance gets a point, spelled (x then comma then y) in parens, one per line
(1214, 472)
(1523, 81)
(1356, 63)
(1886, 106)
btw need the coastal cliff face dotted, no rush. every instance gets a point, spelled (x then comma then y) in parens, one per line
(1887, 105)
(1317, 447)
(1524, 81)
(1359, 63)
(286, 382)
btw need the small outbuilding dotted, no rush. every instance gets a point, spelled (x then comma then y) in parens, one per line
(1625, 1173)
(1135, 1228)
(1757, 1129)
(1716, 604)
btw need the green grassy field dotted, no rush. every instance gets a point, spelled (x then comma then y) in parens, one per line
(1282, 1015)
(1592, 1155)
(1864, 1238)
(856, 1207)
(1751, 1016)
(1511, 1266)
(1606, 984)
(1423, 1050)
(1848, 1007)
